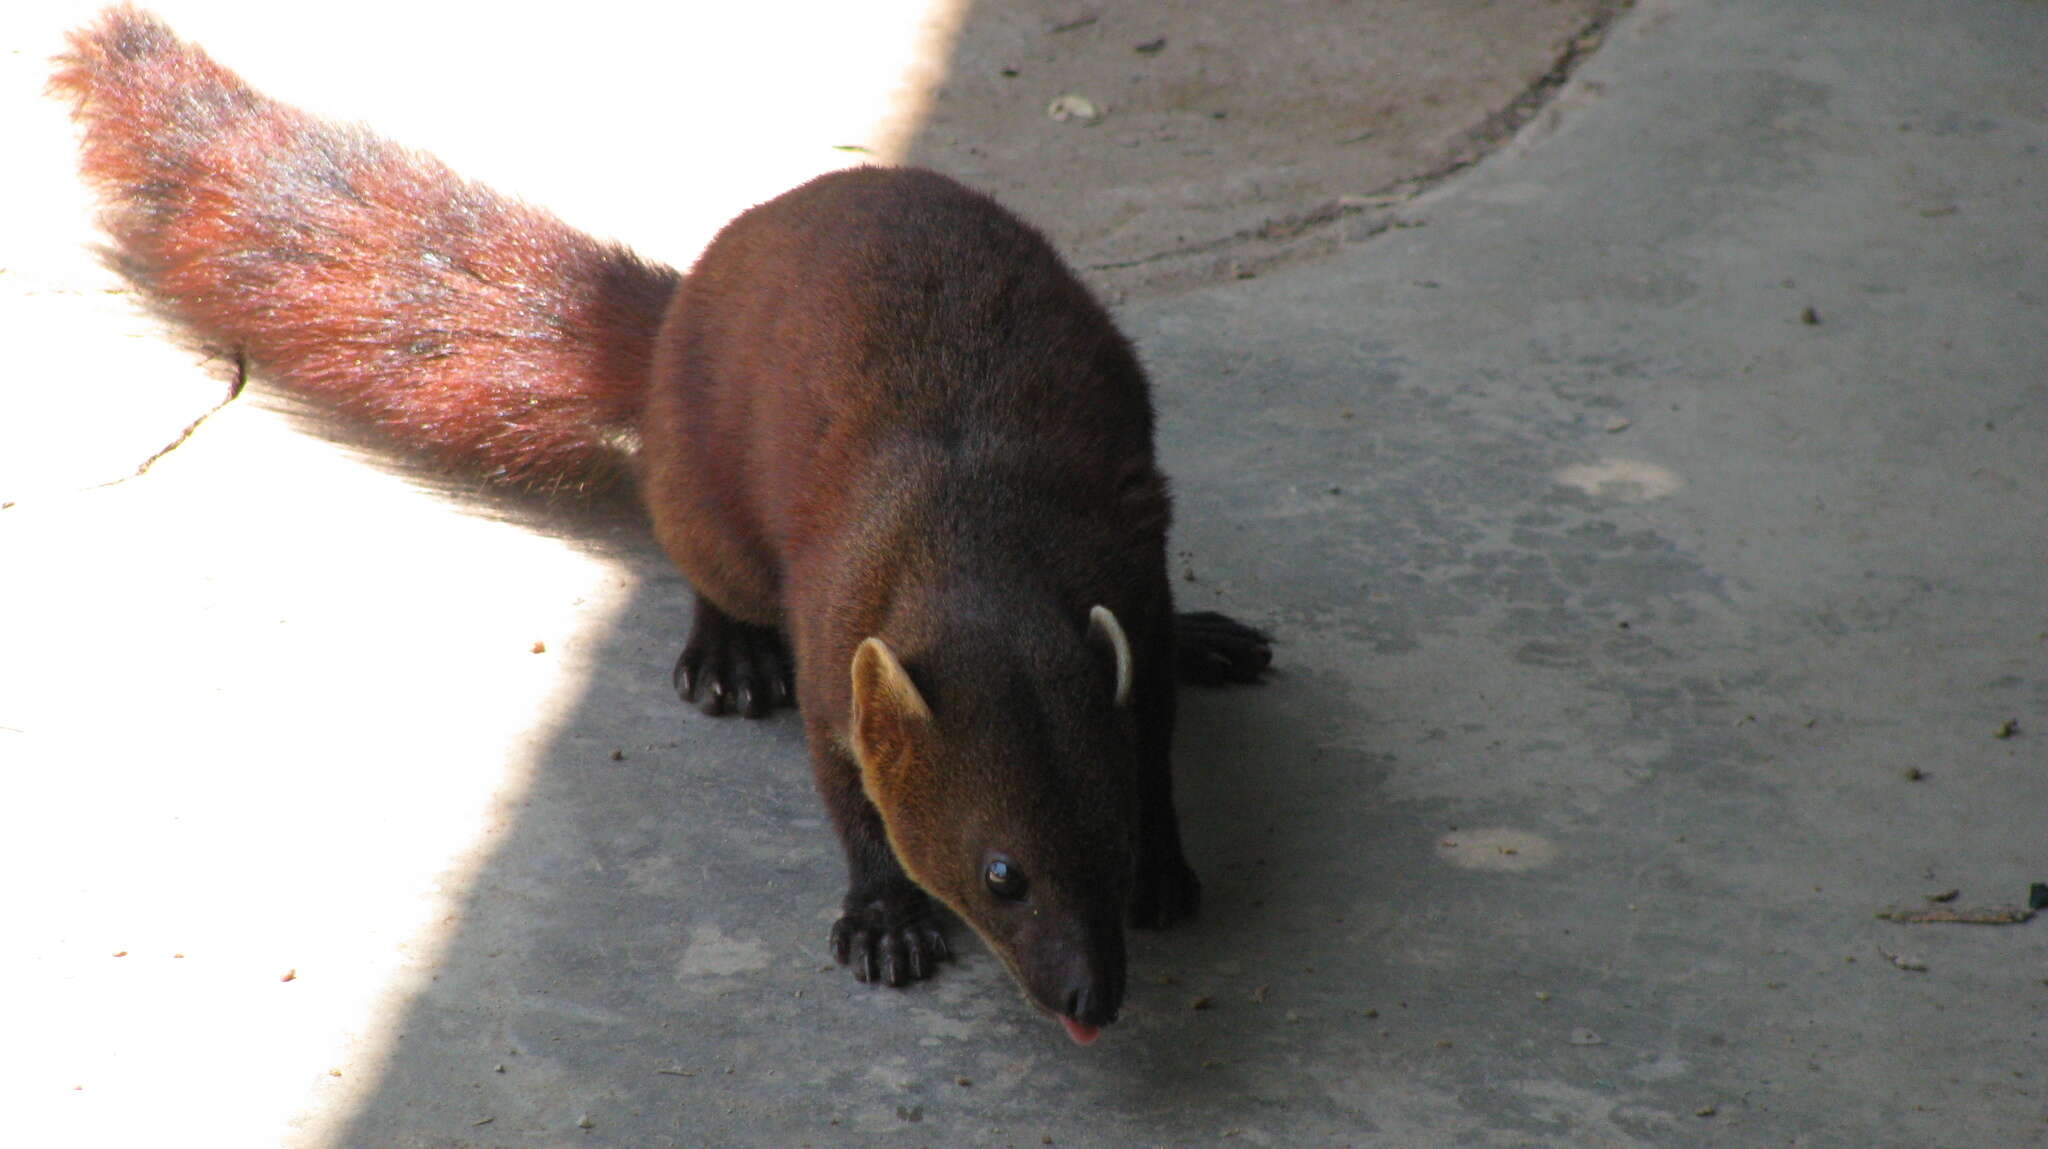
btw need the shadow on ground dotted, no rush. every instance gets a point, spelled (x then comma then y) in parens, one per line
(1617, 602)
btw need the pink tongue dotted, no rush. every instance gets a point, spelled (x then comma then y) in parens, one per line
(1082, 1034)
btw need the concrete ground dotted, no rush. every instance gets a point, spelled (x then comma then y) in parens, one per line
(1654, 519)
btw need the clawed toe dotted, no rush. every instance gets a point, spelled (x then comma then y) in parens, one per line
(1212, 649)
(1164, 893)
(733, 667)
(883, 948)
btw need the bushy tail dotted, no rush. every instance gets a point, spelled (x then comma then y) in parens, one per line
(367, 277)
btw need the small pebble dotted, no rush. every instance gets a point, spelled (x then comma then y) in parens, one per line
(1074, 109)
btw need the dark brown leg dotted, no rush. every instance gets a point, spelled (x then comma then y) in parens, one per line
(1165, 890)
(888, 929)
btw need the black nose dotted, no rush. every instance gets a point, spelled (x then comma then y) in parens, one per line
(1094, 1003)
(1077, 969)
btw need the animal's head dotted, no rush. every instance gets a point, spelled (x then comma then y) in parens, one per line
(1005, 773)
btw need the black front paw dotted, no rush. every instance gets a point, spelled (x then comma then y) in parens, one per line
(1165, 892)
(1212, 649)
(891, 940)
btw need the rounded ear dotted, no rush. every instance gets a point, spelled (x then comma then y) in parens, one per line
(888, 712)
(1105, 629)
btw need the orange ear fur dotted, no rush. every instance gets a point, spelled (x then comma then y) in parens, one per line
(889, 720)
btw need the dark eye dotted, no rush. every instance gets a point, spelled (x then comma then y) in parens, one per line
(1005, 879)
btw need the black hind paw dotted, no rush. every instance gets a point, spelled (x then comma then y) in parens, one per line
(1211, 649)
(734, 667)
(1166, 891)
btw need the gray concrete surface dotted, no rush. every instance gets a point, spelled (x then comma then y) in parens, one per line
(1641, 640)
(1229, 134)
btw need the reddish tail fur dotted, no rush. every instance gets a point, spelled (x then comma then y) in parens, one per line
(367, 277)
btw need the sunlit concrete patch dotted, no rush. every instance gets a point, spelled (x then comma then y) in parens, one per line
(1496, 848)
(1622, 480)
(286, 823)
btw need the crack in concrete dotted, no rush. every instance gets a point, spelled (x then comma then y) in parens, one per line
(235, 387)
(1308, 233)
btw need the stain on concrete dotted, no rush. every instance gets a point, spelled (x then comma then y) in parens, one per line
(1621, 480)
(711, 952)
(1501, 849)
